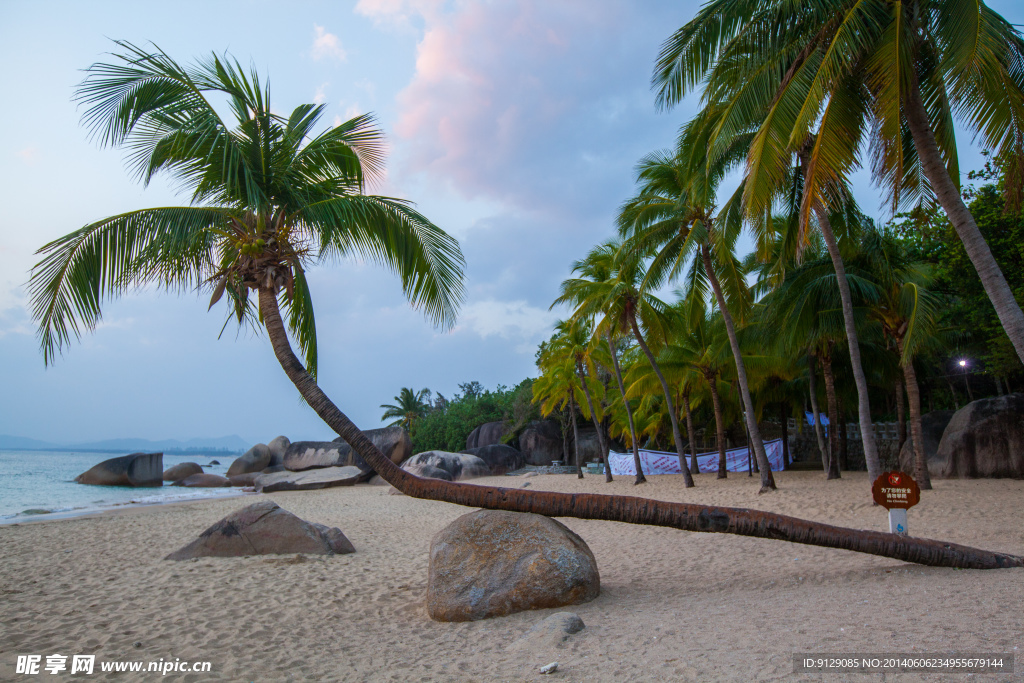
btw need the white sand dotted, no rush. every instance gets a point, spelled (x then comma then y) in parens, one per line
(674, 605)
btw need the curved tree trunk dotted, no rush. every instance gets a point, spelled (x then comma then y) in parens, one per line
(917, 432)
(597, 425)
(948, 194)
(640, 478)
(813, 381)
(565, 434)
(575, 433)
(754, 432)
(833, 415)
(694, 465)
(867, 434)
(616, 508)
(716, 402)
(668, 402)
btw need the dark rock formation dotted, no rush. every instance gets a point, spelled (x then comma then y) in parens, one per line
(247, 479)
(309, 480)
(425, 471)
(264, 529)
(203, 481)
(278, 446)
(137, 469)
(985, 438)
(394, 442)
(254, 460)
(491, 563)
(932, 424)
(485, 435)
(459, 465)
(182, 470)
(499, 457)
(541, 442)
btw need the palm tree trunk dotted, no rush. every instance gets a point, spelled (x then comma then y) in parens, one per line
(764, 467)
(833, 414)
(668, 402)
(784, 421)
(640, 478)
(901, 417)
(694, 465)
(812, 376)
(716, 402)
(867, 434)
(917, 431)
(948, 194)
(688, 517)
(565, 433)
(575, 433)
(597, 425)
(844, 442)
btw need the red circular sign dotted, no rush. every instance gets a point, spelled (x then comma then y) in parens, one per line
(896, 490)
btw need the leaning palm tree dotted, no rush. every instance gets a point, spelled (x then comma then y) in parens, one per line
(267, 181)
(409, 406)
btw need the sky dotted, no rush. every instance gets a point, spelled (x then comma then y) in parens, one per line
(514, 125)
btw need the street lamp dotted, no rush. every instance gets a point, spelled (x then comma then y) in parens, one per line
(963, 366)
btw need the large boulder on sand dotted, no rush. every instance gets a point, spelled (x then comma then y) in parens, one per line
(425, 471)
(182, 470)
(459, 465)
(309, 480)
(254, 460)
(264, 529)
(485, 435)
(932, 426)
(137, 469)
(541, 442)
(499, 457)
(491, 563)
(394, 442)
(203, 481)
(985, 438)
(278, 446)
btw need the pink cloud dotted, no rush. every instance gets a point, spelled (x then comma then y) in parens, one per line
(498, 85)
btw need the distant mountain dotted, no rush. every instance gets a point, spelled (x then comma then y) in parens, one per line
(17, 443)
(232, 444)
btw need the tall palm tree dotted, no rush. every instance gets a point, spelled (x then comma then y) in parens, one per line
(255, 193)
(409, 406)
(907, 312)
(575, 342)
(588, 293)
(674, 215)
(629, 305)
(896, 72)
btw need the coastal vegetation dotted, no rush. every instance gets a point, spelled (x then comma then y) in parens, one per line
(791, 98)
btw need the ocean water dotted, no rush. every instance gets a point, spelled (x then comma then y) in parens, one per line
(44, 481)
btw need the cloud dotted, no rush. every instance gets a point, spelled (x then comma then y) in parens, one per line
(538, 105)
(326, 45)
(28, 154)
(320, 96)
(513, 320)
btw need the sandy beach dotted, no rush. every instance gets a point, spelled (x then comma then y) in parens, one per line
(674, 605)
